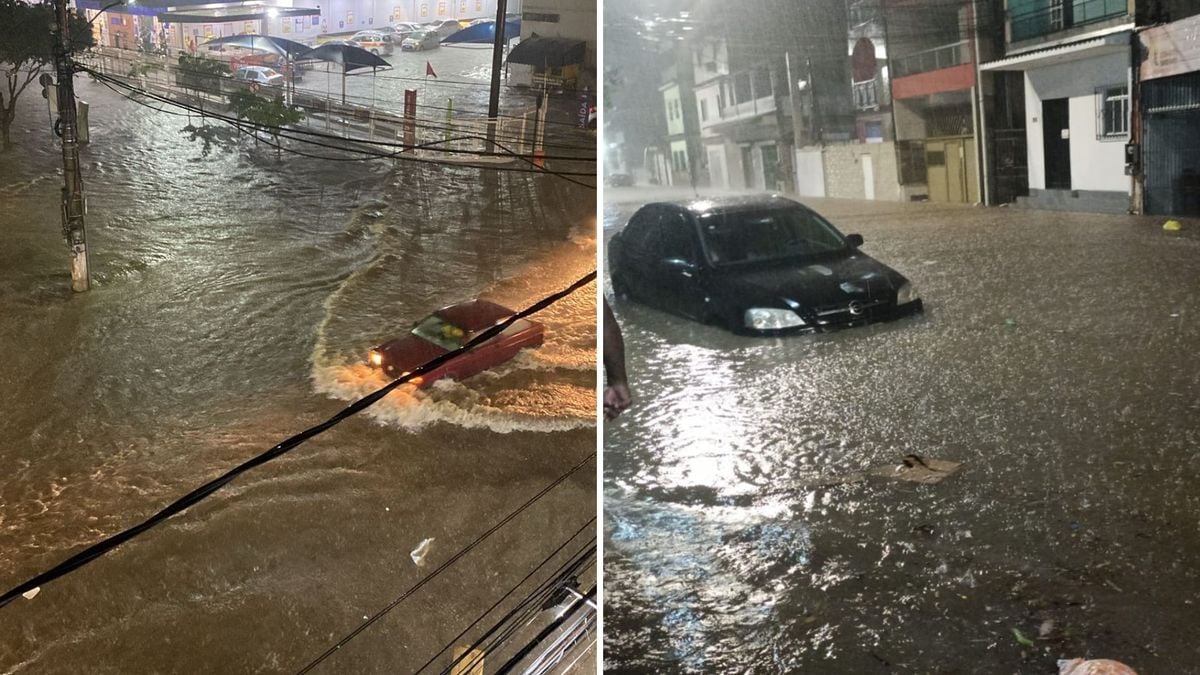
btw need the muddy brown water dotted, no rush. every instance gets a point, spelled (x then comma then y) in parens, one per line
(234, 299)
(1056, 360)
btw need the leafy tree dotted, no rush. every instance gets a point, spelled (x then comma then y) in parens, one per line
(270, 114)
(26, 47)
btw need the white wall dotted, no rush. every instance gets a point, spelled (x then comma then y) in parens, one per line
(1095, 164)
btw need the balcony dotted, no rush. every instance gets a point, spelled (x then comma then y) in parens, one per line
(945, 56)
(1059, 15)
(866, 95)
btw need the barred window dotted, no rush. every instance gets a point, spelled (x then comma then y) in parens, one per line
(912, 162)
(1112, 108)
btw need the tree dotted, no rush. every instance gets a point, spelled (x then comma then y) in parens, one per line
(26, 47)
(269, 114)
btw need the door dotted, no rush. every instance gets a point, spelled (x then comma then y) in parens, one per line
(868, 169)
(935, 171)
(748, 167)
(956, 179)
(675, 264)
(1056, 144)
(770, 160)
(716, 167)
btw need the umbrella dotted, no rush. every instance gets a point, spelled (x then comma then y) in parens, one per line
(349, 55)
(281, 46)
(485, 32)
(288, 49)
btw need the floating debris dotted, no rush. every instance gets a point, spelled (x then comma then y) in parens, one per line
(1093, 667)
(1022, 639)
(917, 469)
(31, 593)
(419, 553)
(1172, 226)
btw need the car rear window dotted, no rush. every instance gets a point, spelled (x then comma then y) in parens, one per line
(733, 237)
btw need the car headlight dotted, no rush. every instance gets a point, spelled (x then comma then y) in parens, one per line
(375, 357)
(906, 294)
(763, 318)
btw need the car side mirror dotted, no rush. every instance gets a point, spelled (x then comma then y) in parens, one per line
(855, 240)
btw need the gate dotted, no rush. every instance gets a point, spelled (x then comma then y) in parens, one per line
(1171, 152)
(1010, 164)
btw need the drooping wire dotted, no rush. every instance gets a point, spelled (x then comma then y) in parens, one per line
(516, 586)
(398, 154)
(444, 566)
(519, 616)
(195, 496)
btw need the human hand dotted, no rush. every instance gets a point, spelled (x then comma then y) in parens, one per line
(616, 399)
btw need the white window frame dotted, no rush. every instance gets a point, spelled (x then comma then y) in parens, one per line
(1117, 94)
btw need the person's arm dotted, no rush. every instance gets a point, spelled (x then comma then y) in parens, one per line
(616, 394)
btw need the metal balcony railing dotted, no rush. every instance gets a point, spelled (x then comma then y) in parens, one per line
(1057, 15)
(933, 59)
(866, 95)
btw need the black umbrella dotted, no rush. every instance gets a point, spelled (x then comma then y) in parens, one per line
(282, 46)
(288, 49)
(349, 55)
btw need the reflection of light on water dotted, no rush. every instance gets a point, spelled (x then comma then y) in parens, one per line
(693, 559)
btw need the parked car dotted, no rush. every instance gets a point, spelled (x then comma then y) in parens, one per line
(450, 328)
(444, 28)
(374, 41)
(403, 30)
(761, 265)
(420, 41)
(258, 76)
(619, 180)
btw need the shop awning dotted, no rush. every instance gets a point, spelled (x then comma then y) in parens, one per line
(234, 13)
(548, 52)
(1111, 43)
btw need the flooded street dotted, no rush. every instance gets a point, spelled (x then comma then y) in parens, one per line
(1055, 361)
(234, 299)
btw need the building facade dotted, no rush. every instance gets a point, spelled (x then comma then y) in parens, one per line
(1075, 59)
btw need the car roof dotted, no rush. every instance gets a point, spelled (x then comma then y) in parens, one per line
(724, 204)
(474, 315)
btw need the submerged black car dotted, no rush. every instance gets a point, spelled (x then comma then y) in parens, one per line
(761, 265)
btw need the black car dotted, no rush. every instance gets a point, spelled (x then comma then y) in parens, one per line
(763, 265)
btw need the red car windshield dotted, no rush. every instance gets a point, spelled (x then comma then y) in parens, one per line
(440, 332)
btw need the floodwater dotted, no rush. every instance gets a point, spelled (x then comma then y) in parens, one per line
(1056, 361)
(234, 298)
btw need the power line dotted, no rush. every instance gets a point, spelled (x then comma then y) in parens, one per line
(195, 496)
(442, 568)
(520, 583)
(399, 154)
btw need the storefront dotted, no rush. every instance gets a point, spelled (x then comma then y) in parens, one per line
(1170, 106)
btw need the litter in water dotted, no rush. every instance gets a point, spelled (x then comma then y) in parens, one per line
(917, 469)
(419, 553)
(1093, 667)
(31, 593)
(1022, 639)
(1172, 226)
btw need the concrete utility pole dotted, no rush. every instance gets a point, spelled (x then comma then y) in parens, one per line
(73, 201)
(497, 59)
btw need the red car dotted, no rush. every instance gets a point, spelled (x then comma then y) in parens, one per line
(450, 328)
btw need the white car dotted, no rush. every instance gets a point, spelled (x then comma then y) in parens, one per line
(374, 41)
(419, 42)
(444, 28)
(258, 76)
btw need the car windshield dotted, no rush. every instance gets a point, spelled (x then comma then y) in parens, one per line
(735, 237)
(440, 332)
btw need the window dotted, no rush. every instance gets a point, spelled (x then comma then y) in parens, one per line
(703, 110)
(678, 239)
(1112, 108)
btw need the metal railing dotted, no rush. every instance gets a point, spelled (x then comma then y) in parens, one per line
(936, 58)
(866, 95)
(1057, 15)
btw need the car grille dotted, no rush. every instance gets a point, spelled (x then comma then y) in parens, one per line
(864, 311)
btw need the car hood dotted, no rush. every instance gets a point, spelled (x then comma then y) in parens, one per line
(812, 283)
(407, 352)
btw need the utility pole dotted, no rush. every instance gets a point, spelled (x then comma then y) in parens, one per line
(73, 200)
(497, 60)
